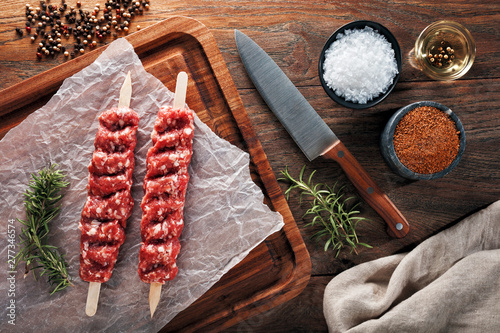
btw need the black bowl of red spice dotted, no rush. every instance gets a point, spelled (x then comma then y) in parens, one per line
(423, 140)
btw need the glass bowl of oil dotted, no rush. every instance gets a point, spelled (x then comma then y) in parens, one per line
(445, 50)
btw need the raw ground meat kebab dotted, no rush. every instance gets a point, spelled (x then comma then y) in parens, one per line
(164, 194)
(109, 201)
(165, 186)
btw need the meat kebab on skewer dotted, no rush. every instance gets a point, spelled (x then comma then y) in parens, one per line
(109, 202)
(165, 186)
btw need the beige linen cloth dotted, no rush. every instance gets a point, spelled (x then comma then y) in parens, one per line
(448, 283)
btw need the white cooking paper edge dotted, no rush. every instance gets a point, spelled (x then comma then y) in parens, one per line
(225, 217)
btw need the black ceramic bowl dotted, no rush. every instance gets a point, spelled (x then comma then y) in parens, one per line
(387, 145)
(360, 25)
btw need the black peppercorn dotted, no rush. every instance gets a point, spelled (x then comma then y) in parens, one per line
(83, 23)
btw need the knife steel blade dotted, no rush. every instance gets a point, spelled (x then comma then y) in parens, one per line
(285, 100)
(309, 131)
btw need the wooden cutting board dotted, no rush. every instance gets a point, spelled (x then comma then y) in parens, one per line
(279, 268)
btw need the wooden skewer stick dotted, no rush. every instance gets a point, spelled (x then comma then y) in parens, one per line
(125, 92)
(154, 296)
(92, 298)
(179, 102)
(95, 287)
(180, 90)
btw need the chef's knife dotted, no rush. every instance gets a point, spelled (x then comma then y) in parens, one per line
(309, 131)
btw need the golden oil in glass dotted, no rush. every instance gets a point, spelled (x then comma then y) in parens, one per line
(445, 50)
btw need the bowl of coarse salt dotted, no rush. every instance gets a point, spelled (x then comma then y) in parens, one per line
(360, 64)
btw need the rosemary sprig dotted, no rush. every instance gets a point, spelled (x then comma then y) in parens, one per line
(41, 204)
(330, 210)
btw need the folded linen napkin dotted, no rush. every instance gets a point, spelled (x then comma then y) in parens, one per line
(448, 283)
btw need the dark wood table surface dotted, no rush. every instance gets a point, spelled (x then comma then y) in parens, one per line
(293, 33)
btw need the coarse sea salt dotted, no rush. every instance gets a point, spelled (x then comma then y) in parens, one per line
(360, 65)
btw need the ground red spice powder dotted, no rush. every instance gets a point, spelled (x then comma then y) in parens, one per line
(426, 140)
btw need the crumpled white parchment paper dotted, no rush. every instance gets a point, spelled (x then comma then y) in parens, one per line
(225, 216)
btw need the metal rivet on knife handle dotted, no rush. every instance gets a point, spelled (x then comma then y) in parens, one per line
(371, 193)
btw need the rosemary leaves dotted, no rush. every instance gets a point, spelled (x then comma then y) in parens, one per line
(331, 211)
(41, 204)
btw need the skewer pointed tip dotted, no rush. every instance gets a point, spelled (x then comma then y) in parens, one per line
(154, 296)
(92, 298)
(125, 92)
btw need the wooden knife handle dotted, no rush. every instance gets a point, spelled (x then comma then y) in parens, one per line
(371, 193)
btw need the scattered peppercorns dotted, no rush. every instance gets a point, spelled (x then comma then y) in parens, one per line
(85, 26)
(441, 55)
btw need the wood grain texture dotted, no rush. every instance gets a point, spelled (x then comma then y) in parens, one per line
(293, 33)
(304, 314)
